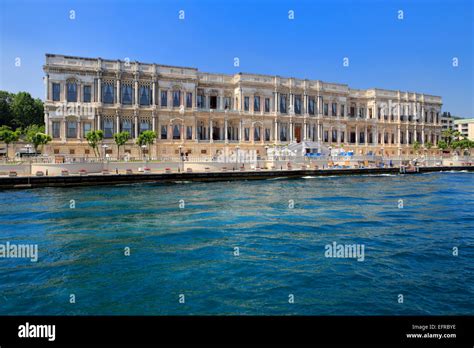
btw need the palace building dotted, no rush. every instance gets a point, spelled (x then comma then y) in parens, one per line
(204, 114)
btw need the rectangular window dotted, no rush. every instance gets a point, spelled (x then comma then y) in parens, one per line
(311, 105)
(127, 94)
(298, 104)
(246, 103)
(283, 103)
(144, 126)
(256, 133)
(71, 92)
(86, 128)
(176, 98)
(176, 132)
(343, 107)
(87, 95)
(189, 132)
(164, 132)
(283, 132)
(145, 95)
(334, 109)
(267, 104)
(108, 128)
(256, 103)
(127, 126)
(267, 134)
(370, 113)
(213, 102)
(326, 109)
(352, 113)
(56, 92)
(189, 100)
(107, 93)
(334, 136)
(200, 102)
(71, 129)
(246, 134)
(164, 98)
(227, 102)
(56, 130)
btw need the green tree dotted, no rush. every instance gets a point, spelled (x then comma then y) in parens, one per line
(94, 138)
(39, 140)
(35, 134)
(5, 111)
(448, 137)
(121, 139)
(26, 111)
(8, 136)
(416, 146)
(443, 145)
(146, 138)
(428, 145)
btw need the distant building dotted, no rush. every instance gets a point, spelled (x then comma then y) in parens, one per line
(447, 121)
(466, 127)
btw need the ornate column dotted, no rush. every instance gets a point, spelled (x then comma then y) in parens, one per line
(99, 90)
(399, 134)
(210, 131)
(357, 135)
(153, 91)
(136, 89)
(117, 121)
(63, 129)
(119, 94)
(319, 132)
(225, 131)
(240, 131)
(275, 131)
(136, 124)
(46, 83)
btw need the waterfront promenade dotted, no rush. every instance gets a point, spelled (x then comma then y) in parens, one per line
(106, 178)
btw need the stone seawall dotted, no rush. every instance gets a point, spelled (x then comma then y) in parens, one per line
(113, 179)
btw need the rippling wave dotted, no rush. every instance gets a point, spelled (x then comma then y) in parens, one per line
(281, 229)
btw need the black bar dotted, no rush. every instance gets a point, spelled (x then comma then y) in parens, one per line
(242, 329)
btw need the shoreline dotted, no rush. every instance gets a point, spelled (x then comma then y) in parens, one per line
(27, 182)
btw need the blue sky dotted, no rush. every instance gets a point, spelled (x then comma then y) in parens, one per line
(413, 54)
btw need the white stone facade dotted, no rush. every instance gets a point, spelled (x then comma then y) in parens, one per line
(204, 113)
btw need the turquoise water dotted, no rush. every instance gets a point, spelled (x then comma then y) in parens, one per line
(190, 251)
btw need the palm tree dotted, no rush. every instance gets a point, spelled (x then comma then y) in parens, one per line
(121, 139)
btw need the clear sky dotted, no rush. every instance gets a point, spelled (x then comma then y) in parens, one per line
(412, 54)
